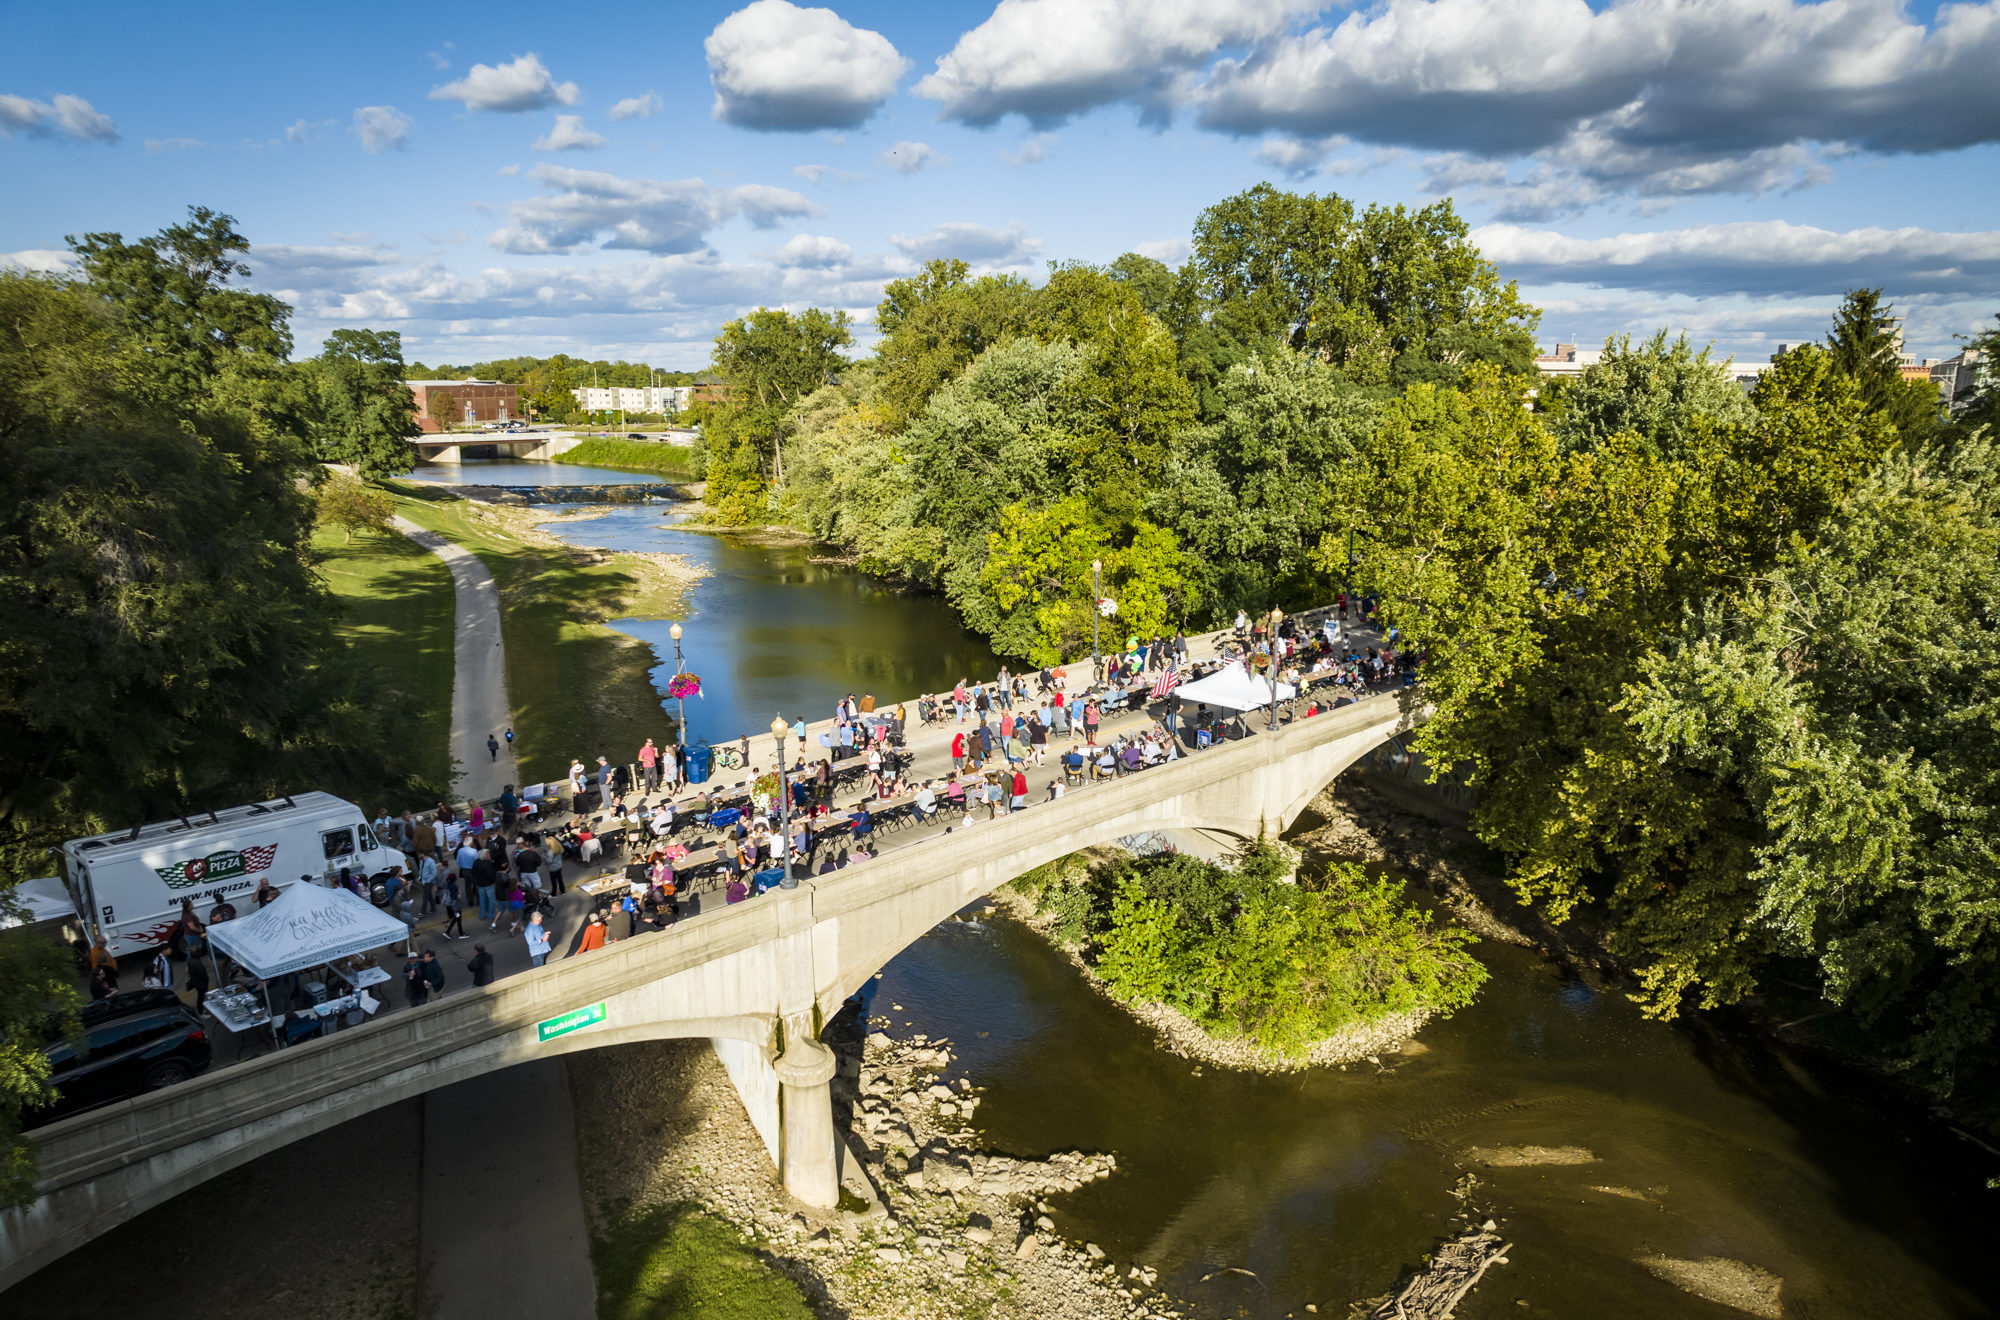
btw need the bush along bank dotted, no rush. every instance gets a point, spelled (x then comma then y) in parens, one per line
(1249, 966)
(637, 456)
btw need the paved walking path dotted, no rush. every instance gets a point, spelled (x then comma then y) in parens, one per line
(479, 707)
(502, 1226)
(486, 1201)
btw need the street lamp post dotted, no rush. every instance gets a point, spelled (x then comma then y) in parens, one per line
(1277, 617)
(778, 731)
(1096, 613)
(675, 633)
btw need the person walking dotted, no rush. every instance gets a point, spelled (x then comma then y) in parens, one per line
(485, 875)
(481, 966)
(649, 765)
(493, 747)
(454, 909)
(538, 940)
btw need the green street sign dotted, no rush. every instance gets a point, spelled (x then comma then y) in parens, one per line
(568, 1022)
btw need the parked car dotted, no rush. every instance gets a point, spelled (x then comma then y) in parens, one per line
(134, 1042)
(635, 435)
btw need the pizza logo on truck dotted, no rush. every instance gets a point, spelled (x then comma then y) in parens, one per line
(226, 865)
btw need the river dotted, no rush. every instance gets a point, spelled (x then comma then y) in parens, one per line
(1327, 1185)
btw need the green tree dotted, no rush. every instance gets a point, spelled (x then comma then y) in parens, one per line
(442, 407)
(934, 324)
(772, 360)
(1866, 348)
(1662, 392)
(1389, 296)
(348, 503)
(1244, 494)
(363, 414)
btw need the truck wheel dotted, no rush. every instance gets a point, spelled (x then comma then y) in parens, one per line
(168, 1072)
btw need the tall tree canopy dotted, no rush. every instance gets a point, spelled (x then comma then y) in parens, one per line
(1866, 347)
(362, 413)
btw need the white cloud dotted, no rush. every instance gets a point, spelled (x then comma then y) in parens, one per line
(908, 157)
(1035, 149)
(569, 134)
(814, 173)
(1766, 258)
(302, 131)
(60, 116)
(381, 128)
(167, 146)
(779, 68)
(48, 261)
(1659, 97)
(813, 250)
(1047, 60)
(647, 215)
(1009, 246)
(508, 171)
(509, 88)
(638, 107)
(1171, 251)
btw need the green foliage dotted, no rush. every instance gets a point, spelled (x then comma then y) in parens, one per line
(1662, 392)
(361, 412)
(772, 361)
(934, 325)
(1244, 493)
(37, 997)
(346, 502)
(1246, 955)
(168, 645)
(677, 1262)
(1389, 296)
(637, 455)
(1866, 349)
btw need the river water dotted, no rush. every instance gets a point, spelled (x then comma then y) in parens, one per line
(1327, 1185)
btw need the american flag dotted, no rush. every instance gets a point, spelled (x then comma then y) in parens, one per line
(1167, 682)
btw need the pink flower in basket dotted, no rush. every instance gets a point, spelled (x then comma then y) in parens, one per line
(684, 685)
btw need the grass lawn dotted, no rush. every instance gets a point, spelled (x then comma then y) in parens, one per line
(678, 1263)
(633, 455)
(577, 687)
(399, 605)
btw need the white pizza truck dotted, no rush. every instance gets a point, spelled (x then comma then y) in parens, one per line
(128, 886)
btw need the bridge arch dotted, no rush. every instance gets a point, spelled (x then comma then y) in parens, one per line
(746, 976)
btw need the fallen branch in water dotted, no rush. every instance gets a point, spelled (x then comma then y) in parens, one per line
(1454, 1269)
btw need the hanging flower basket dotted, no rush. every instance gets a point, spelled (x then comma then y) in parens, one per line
(681, 686)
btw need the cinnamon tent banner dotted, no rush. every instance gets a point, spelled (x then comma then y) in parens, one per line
(303, 927)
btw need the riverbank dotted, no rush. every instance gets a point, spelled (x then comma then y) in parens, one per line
(963, 1233)
(635, 456)
(397, 607)
(579, 687)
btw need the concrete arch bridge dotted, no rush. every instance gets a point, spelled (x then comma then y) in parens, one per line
(758, 978)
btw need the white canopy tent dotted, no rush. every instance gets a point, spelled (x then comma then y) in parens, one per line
(303, 927)
(41, 900)
(1233, 688)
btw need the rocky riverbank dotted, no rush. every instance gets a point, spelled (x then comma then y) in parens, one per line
(961, 1232)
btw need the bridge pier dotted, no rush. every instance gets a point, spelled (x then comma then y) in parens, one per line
(808, 1163)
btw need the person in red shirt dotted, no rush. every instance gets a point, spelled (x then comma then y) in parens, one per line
(593, 934)
(958, 750)
(1020, 791)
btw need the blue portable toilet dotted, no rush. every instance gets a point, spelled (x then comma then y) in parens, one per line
(698, 759)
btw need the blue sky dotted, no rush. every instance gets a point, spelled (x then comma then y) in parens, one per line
(618, 180)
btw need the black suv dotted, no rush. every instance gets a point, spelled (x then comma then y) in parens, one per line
(132, 1043)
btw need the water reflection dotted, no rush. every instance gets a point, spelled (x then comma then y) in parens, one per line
(771, 631)
(1328, 1184)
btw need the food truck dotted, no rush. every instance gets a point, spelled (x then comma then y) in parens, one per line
(128, 886)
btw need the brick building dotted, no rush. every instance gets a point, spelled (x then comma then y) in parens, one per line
(469, 400)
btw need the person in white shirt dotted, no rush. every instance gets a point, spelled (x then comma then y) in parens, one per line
(576, 778)
(926, 803)
(663, 820)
